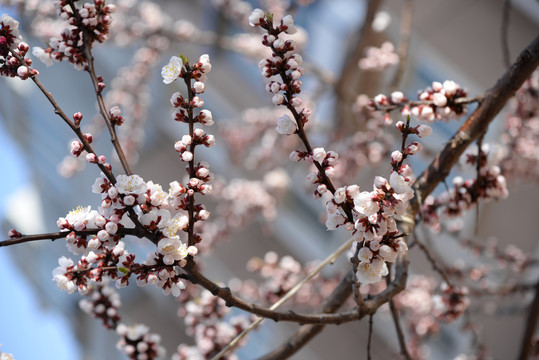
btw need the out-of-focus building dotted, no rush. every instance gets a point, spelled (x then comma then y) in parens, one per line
(459, 40)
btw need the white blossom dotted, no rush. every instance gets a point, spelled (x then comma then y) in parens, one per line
(319, 154)
(364, 204)
(172, 70)
(255, 17)
(172, 249)
(131, 184)
(371, 272)
(285, 125)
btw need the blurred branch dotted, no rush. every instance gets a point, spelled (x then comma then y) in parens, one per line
(404, 43)
(505, 33)
(348, 82)
(494, 100)
(396, 321)
(369, 357)
(329, 260)
(398, 328)
(531, 325)
(335, 300)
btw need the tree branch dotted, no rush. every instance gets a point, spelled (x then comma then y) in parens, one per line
(63, 234)
(477, 123)
(100, 102)
(494, 100)
(531, 325)
(404, 42)
(398, 328)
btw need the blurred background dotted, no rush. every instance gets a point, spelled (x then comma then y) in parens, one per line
(458, 40)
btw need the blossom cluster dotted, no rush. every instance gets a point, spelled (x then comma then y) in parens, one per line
(378, 59)
(521, 135)
(284, 63)
(371, 216)
(205, 319)
(281, 274)
(441, 101)
(89, 23)
(138, 343)
(102, 302)
(11, 49)
(465, 194)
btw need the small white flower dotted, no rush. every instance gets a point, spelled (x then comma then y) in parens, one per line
(424, 131)
(10, 28)
(364, 204)
(365, 254)
(255, 17)
(396, 156)
(397, 97)
(206, 117)
(319, 154)
(278, 99)
(439, 99)
(371, 272)
(132, 184)
(157, 195)
(172, 70)
(288, 21)
(387, 253)
(58, 275)
(177, 288)
(450, 87)
(285, 125)
(205, 66)
(399, 183)
(172, 249)
(340, 195)
(173, 225)
(199, 87)
(81, 217)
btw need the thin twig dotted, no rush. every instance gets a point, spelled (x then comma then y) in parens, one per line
(63, 234)
(90, 68)
(494, 100)
(433, 261)
(369, 340)
(396, 321)
(58, 111)
(329, 260)
(333, 302)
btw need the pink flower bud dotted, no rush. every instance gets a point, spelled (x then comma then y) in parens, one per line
(396, 156)
(424, 131)
(22, 71)
(91, 158)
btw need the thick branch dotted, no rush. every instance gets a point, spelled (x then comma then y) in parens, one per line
(331, 304)
(307, 332)
(477, 124)
(494, 100)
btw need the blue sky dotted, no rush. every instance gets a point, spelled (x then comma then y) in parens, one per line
(27, 330)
